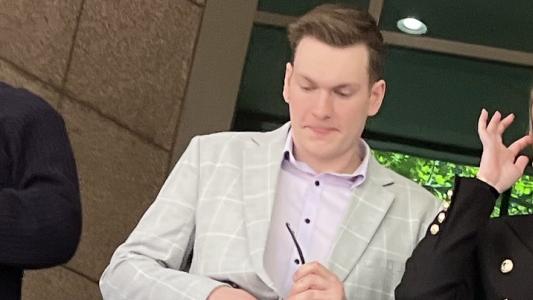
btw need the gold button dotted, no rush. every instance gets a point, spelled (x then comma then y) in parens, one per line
(450, 194)
(441, 216)
(507, 266)
(434, 229)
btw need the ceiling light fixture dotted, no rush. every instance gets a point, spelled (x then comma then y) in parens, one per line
(412, 26)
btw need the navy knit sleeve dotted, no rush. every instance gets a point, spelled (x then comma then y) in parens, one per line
(40, 213)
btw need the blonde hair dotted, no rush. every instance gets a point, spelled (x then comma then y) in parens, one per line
(341, 26)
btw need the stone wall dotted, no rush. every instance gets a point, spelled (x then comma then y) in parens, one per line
(117, 71)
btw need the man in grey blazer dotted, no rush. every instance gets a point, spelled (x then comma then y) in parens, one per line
(232, 197)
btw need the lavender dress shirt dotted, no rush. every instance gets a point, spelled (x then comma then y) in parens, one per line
(314, 204)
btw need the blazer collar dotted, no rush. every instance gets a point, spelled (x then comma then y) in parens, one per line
(371, 201)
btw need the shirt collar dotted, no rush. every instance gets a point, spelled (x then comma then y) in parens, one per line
(357, 177)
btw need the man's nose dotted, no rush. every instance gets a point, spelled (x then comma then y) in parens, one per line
(323, 107)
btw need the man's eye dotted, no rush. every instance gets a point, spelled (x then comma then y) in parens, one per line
(344, 95)
(307, 88)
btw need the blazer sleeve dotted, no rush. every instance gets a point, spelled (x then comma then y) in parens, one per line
(40, 214)
(442, 265)
(147, 265)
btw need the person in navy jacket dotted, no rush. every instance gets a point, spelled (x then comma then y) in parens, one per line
(40, 214)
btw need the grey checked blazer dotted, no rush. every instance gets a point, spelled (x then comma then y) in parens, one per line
(219, 198)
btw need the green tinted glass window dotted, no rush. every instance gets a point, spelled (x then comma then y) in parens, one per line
(299, 7)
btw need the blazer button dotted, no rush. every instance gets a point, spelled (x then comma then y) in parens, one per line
(507, 266)
(434, 229)
(441, 216)
(449, 194)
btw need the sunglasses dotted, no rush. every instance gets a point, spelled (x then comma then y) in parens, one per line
(295, 243)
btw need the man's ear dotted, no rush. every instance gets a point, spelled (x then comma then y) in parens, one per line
(377, 93)
(286, 81)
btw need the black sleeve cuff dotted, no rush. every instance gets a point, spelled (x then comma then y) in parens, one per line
(494, 192)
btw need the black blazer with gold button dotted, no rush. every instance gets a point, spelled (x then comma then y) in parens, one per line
(470, 256)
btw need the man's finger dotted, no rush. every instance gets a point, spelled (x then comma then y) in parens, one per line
(312, 268)
(311, 281)
(310, 294)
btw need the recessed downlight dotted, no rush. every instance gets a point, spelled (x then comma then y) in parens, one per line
(412, 26)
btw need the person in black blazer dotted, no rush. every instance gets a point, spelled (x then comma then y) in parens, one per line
(40, 214)
(465, 254)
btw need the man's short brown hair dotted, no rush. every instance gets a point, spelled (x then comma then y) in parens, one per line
(341, 26)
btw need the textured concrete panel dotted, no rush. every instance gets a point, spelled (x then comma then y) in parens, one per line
(13, 77)
(58, 284)
(37, 35)
(120, 175)
(131, 61)
(199, 2)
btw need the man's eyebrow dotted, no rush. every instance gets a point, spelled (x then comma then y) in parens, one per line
(307, 78)
(346, 85)
(353, 85)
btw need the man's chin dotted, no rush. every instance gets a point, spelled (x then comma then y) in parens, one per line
(321, 152)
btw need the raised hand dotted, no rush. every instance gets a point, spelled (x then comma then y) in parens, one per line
(499, 164)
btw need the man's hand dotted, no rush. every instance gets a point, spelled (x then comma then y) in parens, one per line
(499, 166)
(229, 293)
(314, 281)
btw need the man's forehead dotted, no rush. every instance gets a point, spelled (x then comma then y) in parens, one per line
(312, 53)
(331, 74)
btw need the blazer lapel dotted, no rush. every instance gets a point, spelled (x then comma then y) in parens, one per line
(371, 202)
(261, 167)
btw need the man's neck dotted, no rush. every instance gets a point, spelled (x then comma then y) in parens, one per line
(347, 163)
